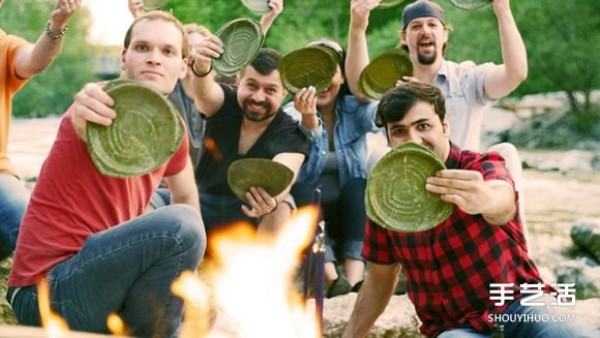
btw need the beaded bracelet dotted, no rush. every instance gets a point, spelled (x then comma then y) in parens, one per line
(196, 73)
(55, 36)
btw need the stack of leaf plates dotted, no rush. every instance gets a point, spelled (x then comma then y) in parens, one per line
(150, 5)
(242, 40)
(272, 176)
(258, 7)
(309, 66)
(396, 197)
(470, 4)
(145, 133)
(390, 3)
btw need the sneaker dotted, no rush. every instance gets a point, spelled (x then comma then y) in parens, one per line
(339, 287)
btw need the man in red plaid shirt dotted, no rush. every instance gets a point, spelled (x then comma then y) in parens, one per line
(452, 267)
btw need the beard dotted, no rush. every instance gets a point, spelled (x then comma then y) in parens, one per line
(257, 117)
(427, 60)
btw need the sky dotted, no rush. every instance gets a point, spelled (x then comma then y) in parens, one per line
(110, 20)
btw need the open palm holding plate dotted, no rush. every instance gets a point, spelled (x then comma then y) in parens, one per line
(396, 197)
(145, 133)
(272, 176)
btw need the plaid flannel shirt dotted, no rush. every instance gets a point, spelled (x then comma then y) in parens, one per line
(450, 267)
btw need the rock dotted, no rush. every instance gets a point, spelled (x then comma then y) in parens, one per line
(584, 277)
(586, 235)
(398, 320)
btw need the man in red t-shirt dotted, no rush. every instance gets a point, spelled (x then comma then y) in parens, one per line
(20, 61)
(452, 267)
(86, 234)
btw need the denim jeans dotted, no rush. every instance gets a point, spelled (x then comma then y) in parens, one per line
(127, 270)
(13, 201)
(542, 324)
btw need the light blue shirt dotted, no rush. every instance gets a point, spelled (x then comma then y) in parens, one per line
(353, 120)
(466, 100)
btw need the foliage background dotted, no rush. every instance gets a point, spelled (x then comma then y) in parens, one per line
(562, 39)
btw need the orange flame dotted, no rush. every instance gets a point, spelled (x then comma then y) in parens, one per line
(252, 280)
(55, 326)
(198, 314)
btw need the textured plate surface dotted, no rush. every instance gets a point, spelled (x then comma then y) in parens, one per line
(383, 72)
(145, 133)
(396, 197)
(150, 5)
(242, 40)
(390, 3)
(470, 4)
(308, 66)
(272, 176)
(258, 7)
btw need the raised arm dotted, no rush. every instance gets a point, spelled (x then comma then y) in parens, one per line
(208, 95)
(373, 297)
(505, 78)
(267, 20)
(358, 53)
(32, 59)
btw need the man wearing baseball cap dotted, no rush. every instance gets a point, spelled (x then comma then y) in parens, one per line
(469, 88)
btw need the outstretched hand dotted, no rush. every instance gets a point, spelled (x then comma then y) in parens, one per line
(465, 188)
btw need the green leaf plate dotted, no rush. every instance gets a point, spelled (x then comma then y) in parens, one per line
(308, 66)
(396, 197)
(258, 7)
(242, 40)
(470, 4)
(383, 72)
(272, 176)
(146, 132)
(150, 5)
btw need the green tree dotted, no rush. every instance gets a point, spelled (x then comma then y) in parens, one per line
(52, 91)
(564, 47)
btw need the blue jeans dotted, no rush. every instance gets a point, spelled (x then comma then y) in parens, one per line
(542, 324)
(13, 201)
(127, 270)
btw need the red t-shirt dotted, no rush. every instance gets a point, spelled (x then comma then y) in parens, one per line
(73, 200)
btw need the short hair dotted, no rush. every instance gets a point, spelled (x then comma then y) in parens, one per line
(164, 16)
(191, 28)
(265, 62)
(397, 101)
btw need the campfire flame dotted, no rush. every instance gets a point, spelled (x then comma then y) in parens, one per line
(252, 280)
(55, 326)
